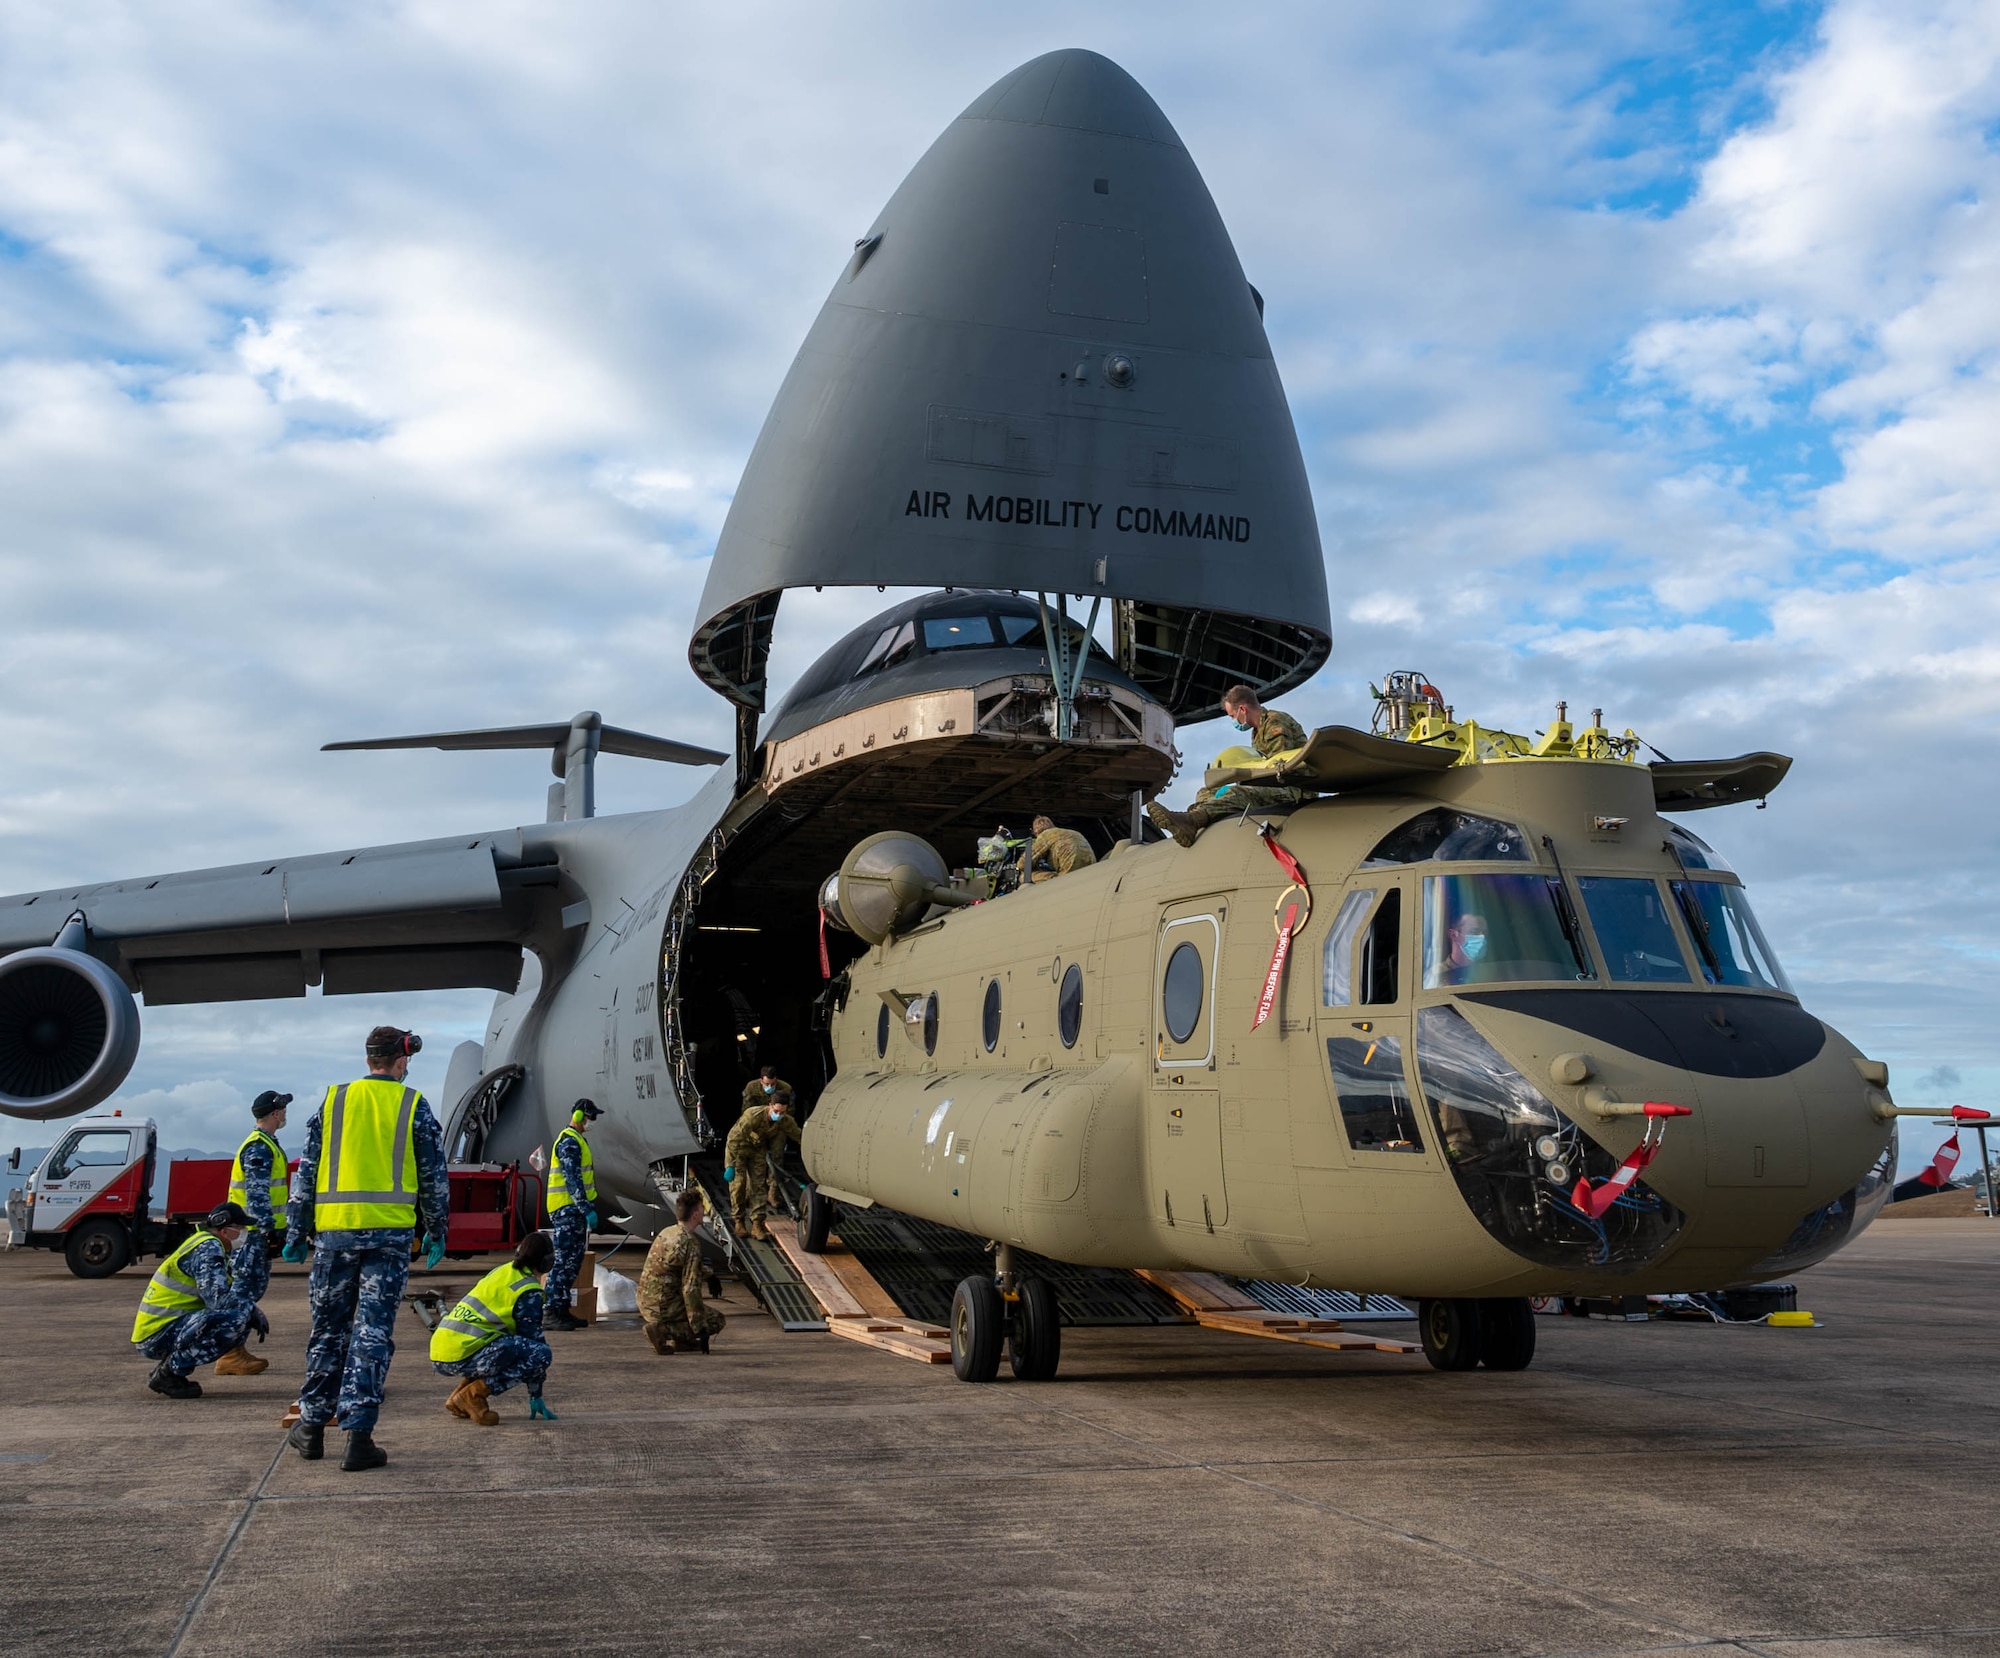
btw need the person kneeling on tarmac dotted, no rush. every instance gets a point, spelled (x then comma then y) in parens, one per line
(195, 1308)
(493, 1337)
(670, 1304)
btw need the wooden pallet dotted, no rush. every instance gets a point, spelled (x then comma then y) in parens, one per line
(1217, 1305)
(856, 1306)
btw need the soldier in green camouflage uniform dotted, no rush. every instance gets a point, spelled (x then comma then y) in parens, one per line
(670, 1304)
(762, 1129)
(1054, 852)
(1272, 733)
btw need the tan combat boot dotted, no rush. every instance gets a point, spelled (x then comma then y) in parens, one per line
(469, 1401)
(656, 1338)
(1172, 823)
(238, 1361)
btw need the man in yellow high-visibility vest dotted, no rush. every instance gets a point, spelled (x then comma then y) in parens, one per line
(259, 1185)
(194, 1308)
(572, 1213)
(373, 1168)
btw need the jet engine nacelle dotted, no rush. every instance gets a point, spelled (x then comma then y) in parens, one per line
(69, 1032)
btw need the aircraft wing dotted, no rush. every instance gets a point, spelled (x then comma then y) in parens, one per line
(425, 915)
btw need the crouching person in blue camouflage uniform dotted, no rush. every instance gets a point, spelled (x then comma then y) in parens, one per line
(373, 1166)
(195, 1309)
(572, 1212)
(493, 1337)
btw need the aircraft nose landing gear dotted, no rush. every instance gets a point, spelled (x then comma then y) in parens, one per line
(1006, 1308)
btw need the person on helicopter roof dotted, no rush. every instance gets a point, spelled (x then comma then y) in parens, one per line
(1054, 852)
(1273, 732)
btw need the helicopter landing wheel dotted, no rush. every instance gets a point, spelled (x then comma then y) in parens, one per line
(1506, 1333)
(815, 1220)
(978, 1327)
(1451, 1332)
(1034, 1347)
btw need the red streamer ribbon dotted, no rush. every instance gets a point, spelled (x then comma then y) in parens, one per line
(1942, 1164)
(1595, 1200)
(1286, 862)
(825, 965)
(1276, 975)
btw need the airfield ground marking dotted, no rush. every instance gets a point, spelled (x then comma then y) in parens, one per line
(222, 1554)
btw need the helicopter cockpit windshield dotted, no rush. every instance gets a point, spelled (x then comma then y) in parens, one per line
(1500, 929)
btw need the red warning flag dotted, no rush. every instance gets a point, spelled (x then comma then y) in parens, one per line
(1942, 1164)
(1275, 977)
(1594, 1200)
(825, 965)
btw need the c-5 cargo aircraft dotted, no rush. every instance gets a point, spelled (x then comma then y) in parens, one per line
(1041, 383)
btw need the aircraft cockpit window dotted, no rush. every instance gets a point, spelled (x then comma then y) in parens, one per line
(1181, 992)
(1443, 835)
(1374, 1099)
(1069, 1006)
(892, 647)
(1382, 952)
(1633, 931)
(1017, 628)
(1696, 853)
(1337, 962)
(95, 1148)
(1727, 940)
(1495, 929)
(950, 633)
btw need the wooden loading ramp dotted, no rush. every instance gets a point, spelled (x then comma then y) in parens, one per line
(1216, 1304)
(856, 1306)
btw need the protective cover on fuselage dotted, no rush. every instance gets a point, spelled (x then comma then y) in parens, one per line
(1041, 369)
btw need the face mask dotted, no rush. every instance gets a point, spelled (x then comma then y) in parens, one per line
(1241, 726)
(770, 1087)
(1474, 946)
(777, 1113)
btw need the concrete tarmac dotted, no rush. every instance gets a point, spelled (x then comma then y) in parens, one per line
(1643, 1488)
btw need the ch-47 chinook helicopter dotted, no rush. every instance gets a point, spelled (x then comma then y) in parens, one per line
(1041, 379)
(1433, 1036)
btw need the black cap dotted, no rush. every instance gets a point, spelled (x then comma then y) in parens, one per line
(588, 1108)
(268, 1101)
(226, 1214)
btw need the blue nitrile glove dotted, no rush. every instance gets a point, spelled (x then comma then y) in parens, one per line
(294, 1250)
(433, 1253)
(538, 1406)
(593, 1220)
(728, 1174)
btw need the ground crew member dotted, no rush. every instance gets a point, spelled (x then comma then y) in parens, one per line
(372, 1171)
(493, 1337)
(260, 1185)
(1272, 733)
(676, 1318)
(765, 1086)
(1054, 852)
(762, 1129)
(572, 1211)
(195, 1310)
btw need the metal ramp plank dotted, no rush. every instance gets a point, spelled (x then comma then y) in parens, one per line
(1217, 1304)
(763, 1266)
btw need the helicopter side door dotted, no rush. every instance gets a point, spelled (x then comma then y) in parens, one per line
(1363, 1028)
(1183, 1105)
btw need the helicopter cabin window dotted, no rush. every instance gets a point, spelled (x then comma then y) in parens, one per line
(1727, 940)
(1633, 931)
(989, 1016)
(1443, 835)
(1181, 992)
(1337, 960)
(1069, 1006)
(96, 1149)
(950, 633)
(882, 1031)
(1374, 1099)
(1497, 929)
(1696, 853)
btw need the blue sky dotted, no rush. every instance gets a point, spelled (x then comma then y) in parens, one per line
(377, 369)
